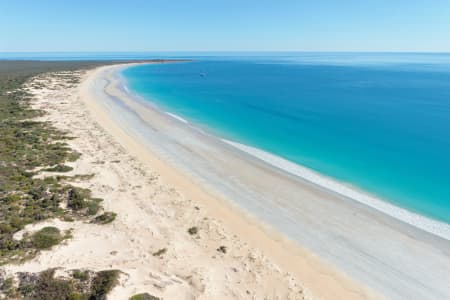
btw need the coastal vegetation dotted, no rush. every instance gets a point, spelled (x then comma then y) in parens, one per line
(193, 230)
(105, 218)
(76, 285)
(59, 168)
(160, 252)
(46, 238)
(144, 296)
(29, 147)
(222, 249)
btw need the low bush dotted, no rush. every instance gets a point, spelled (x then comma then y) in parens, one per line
(93, 206)
(46, 238)
(105, 218)
(82, 275)
(44, 285)
(7, 287)
(76, 198)
(193, 230)
(103, 283)
(222, 249)
(144, 296)
(160, 252)
(48, 287)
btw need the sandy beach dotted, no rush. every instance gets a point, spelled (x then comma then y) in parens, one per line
(260, 233)
(344, 233)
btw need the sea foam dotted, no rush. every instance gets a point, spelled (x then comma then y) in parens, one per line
(177, 117)
(429, 225)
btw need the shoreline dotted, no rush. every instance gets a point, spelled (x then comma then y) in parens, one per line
(312, 271)
(435, 227)
(422, 222)
(395, 233)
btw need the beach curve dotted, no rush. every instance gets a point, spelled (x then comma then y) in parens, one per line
(100, 87)
(353, 233)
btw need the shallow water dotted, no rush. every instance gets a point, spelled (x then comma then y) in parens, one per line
(379, 122)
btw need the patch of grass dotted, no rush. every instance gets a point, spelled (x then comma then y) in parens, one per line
(78, 296)
(78, 177)
(144, 296)
(59, 168)
(46, 238)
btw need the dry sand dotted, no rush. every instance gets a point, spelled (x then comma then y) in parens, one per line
(156, 205)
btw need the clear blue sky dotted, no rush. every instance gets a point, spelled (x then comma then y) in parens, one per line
(224, 25)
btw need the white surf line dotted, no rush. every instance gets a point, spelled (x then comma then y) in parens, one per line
(177, 117)
(429, 225)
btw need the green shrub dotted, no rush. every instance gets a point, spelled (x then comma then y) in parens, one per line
(80, 275)
(93, 206)
(7, 287)
(68, 218)
(105, 218)
(48, 287)
(5, 228)
(103, 283)
(144, 296)
(26, 289)
(46, 238)
(44, 285)
(76, 198)
(78, 296)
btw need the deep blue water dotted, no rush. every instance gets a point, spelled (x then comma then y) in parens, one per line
(380, 122)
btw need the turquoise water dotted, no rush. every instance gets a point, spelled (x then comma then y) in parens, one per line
(379, 122)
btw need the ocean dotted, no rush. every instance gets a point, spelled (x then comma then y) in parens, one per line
(376, 122)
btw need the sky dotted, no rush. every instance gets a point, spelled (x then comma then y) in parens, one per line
(224, 25)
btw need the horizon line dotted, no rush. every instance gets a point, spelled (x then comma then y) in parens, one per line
(226, 51)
